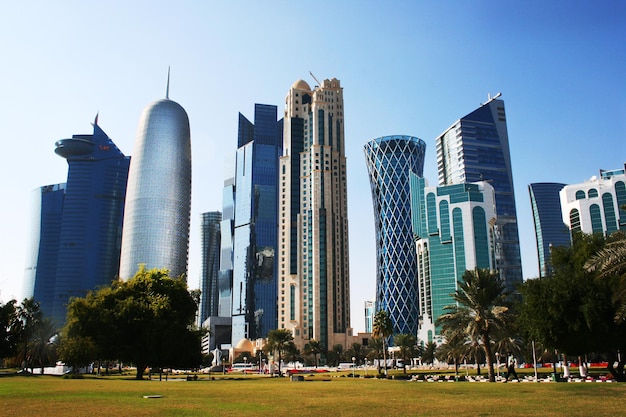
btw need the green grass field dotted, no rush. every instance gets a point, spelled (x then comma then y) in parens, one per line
(262, 396)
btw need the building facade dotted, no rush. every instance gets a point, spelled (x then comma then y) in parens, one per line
(314, 288)
(370, 312)
(389, 161)
(594, 206)
(550, 231)
(210, 237)
(254, 273)
(476, 148)
(75, 246)
(454, 230)
(158, 203)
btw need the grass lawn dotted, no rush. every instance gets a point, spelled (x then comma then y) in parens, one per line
(254, 396)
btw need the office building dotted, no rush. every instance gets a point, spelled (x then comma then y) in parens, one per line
(158, 203)
(550, 231)
(77, 226)
(454, 228)
(254, 274)
(210, 238)
(476, 148)
(389, 161)
(370, 312)
(594, 206)
(314, 288)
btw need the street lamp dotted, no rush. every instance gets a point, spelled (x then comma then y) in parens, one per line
(353, 366)
(245, 366)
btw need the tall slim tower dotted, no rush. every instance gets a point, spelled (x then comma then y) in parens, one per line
(210, 236)
(158, 202)
(550, 231)
(389, 161)
(476, 148)
(314, 288)
(256, 215)
(79, 224)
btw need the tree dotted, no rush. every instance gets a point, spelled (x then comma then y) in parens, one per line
(42, 346)
(383, 329)
(428, 352)
(313, 348)
(10, 328)
(278, 341)
(358, 352)
(452, 350)
(481, 309)
(29, 315)
(147, 320)
(610, 264)
(375, 346)
(407, 345)
(335, 355)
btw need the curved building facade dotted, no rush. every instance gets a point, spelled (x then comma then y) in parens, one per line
(158, 199)
(389, 161)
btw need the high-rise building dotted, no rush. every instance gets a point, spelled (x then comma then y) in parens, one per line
(210, 237)
(476, 148)
(454, 229)
(227, 232)
(389, 161)
(594, 206)
(550, 231)
(314, 288)
(158, 203)
(77, 228)
(255, 230)
(370, 312)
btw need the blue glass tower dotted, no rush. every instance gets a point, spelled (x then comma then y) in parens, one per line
(81, 226)
(550, 230)
(210, 236)
(389, 161)
(476, 148)
(255, 224)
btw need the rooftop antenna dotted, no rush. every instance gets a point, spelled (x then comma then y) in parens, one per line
(316, 80)
(95, 122)
(167, 89)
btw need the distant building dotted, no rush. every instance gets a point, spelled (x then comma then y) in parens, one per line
(476, 148)
(314, 284)
(594, 206)
(369, 316)
(390, 160)
(77, 226)
(254, 272)
(210, 237)
(156, 222)
(550, 231)
(454, 228)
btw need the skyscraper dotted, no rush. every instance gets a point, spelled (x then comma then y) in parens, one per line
(389, 161)
(78, 225)
(550, 231)
(158, 203)
(314, 288)
(595, 206)
(210, 236)
(476, 148)
(454, 229)
(255, 229)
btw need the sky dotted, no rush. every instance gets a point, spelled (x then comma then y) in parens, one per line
(407, 67)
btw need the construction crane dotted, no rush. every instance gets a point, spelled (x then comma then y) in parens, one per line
(316, 80)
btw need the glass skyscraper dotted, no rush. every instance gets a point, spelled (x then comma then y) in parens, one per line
(255, 224)
(389, 161)
(476, 148)
(454, 229)
(210, 236)
(78, 225)
(550, 231)
(158, 203)
(314, 287)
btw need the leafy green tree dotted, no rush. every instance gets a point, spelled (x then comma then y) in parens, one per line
(277, 342)
(147, 320)
(407, 343)
(314, 348)
(480, 311)
(383, 329)
(10, 328)
(77, 352)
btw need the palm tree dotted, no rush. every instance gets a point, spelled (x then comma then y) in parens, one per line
(41, 348)
(313, 348)
(278, 341)
(383, 328)
(610, 262)
(406, 343)
(375, 346)
(428, 352)
(357, 351)
(453, 350)
(480, 310)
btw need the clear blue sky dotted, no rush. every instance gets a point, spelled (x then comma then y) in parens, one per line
(407, 67)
